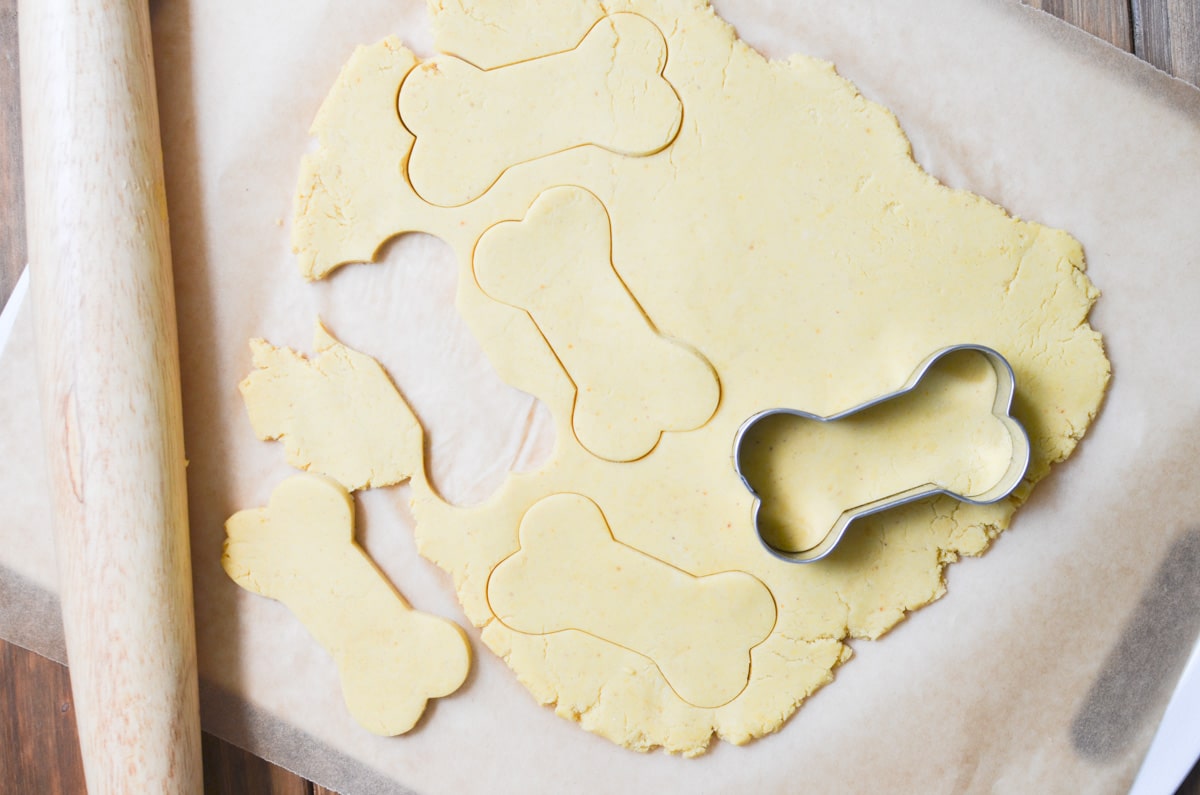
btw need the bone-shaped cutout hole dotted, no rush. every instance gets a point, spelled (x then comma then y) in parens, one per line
(949, 433)
(571, 574)
(472, 124)
(632, 383)
(300, 550)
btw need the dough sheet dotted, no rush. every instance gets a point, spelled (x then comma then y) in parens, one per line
(650, 295)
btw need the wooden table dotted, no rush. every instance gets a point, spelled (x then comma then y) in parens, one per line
(38, 747)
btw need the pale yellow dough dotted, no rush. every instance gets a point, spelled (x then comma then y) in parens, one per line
(472, 124)
(570, 574)
(631, 382)
(300, 550)
(786, 236)
(337, 413)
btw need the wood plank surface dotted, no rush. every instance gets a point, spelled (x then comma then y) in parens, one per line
(38, 746)
(1105, 19)
(39, 750)
(1167, 34)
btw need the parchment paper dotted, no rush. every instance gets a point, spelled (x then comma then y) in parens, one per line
(1044, 669)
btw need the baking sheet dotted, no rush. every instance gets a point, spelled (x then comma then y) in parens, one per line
(1049, 662)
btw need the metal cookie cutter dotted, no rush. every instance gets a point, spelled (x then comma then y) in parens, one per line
(1001, 409)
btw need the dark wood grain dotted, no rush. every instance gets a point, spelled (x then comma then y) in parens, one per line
(39, 751)
(232, 771)
(1110, 20)
(1167, 34)
(38, 746)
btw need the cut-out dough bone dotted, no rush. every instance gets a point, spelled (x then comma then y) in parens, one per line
(632, 383)
(570, 573)
(472, 124)
(300, 550)
(337, 413)
(811, 475)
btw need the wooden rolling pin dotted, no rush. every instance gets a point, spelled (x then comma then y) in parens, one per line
(108, 372)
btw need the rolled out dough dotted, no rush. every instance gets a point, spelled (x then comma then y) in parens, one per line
(785, 235)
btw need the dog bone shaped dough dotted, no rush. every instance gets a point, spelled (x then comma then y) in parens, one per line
(301, 551)
(631, 382)
(943, 433)
(570, 573)
(472, 124)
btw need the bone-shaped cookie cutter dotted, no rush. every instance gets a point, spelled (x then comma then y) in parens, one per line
(1001, 410)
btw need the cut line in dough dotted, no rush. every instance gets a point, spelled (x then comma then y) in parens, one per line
(471, 125)
(632, 383)
(570, 573)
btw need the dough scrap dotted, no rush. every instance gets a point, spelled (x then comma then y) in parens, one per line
(788, 236)
(473, 124)
(338, 413)
(351, 198)
(631, 382)
(570, 573)
(300, 550)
